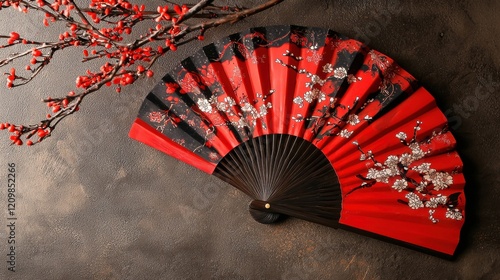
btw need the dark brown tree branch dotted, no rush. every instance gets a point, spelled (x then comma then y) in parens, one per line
(101, 29)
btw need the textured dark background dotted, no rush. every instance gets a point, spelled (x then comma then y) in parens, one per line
(93, 204)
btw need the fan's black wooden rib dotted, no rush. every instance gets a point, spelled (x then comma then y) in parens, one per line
(244, 164)
(288, 175)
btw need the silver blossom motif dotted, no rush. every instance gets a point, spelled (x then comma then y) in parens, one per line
(454, 214)
(327, 68)
(401, 136)
(230, 101)
(440, 180)
(414, 201)
(418, 192)
(434, 202)
(353, 119)
(400, 185)
(345, 133)
(340, 73)
(204, 105)
(313, 94)
(299, 101)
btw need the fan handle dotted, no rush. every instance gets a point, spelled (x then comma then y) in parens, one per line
(261, 212)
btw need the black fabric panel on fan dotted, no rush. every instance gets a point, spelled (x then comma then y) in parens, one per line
(352, 62)
(217, 87)
(184, 127)
(191, 65)
(390, 93)
(225, 49)
(284, 175)
(251, 47)
(172, 78)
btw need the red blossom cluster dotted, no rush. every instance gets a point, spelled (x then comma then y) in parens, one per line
(17, 131)
(103, 29)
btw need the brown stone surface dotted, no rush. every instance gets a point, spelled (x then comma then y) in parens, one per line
(93, 204)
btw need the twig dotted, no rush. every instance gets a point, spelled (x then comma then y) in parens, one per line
(125, 62)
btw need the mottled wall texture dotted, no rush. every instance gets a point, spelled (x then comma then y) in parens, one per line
(94, 204)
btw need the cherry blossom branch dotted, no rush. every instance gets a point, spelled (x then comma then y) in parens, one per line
(103, 30)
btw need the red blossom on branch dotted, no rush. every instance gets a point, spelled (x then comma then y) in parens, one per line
(103, 31)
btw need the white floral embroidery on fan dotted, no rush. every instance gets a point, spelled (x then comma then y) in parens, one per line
(250, 113)
(353, 119)
(340, 73)
(313, 94)
(327, 68)
(315, 57)
(161, 118)
(204, 105)
(345, 133)
(423, 194)
(299, 101)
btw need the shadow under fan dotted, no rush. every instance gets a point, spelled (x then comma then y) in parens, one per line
(285, 176)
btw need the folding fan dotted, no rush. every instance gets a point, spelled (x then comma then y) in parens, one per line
(317, 126)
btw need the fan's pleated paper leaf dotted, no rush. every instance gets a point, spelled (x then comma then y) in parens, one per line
(314, 125)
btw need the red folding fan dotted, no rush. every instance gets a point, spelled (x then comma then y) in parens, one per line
(317, 126)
